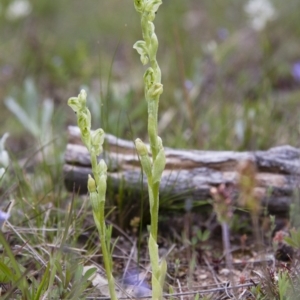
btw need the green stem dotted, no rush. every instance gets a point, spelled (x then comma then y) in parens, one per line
(153, 88)
(99, 217)
(107, 261)
(152, 125)
(154, 210)
(156, 68)
(144, 21)
(94, 167)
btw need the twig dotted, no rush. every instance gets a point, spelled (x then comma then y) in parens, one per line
(129, 259)
(180, 289)
(212, 271)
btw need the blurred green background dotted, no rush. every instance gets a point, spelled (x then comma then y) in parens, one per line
(231, 71)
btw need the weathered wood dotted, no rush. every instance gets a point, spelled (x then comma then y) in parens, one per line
(191, 173)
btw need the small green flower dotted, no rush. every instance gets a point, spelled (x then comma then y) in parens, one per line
(97, 140)
(141, 147)
(149, 78)
(139, 5)
(78, 103)
(141, 48)
(152, 7)
(91, 184)
(101, 188)
(155, 91)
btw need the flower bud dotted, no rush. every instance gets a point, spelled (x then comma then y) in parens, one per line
(82, 98)
(141, 147)
(91, 184)
(159, 143)
(102, 167)
(144, 157)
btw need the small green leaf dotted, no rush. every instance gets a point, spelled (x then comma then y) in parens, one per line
(90, 273)
(163, 272)
(153, 252)
(42, 284)
(6, 274)
(159, 166)
(156, 289)
(77, 275)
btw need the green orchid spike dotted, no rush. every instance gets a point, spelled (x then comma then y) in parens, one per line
(94, 140)
(153, 165)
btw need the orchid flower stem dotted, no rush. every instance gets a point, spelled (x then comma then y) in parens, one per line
(93, 140)
(99, 217)
(152, 166)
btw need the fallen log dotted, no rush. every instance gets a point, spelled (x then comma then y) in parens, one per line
(190, 174)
